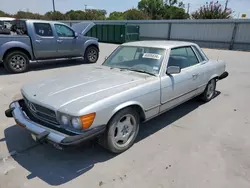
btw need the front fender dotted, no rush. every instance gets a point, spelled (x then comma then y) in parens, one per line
(15, 44)
(124, 105)
(91, 41)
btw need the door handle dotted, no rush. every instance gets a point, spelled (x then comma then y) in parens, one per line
(59, 40)
(38, 40)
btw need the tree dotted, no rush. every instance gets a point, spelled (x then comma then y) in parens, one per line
(159, 9)
(173, 12)
(212, 11)
(134, 14)
(116, 16)
(92, 14)
(75, 15)
(28, 15)
(171, 2)
(54, 16)
(3, 14)
(152, 8)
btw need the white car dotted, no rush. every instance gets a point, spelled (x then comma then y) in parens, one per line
(138, 81)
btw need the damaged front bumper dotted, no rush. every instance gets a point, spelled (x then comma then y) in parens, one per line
(40, 132)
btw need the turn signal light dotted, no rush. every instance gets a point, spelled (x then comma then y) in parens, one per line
(87, 120)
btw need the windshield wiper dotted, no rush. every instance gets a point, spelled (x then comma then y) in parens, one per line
(136, 70)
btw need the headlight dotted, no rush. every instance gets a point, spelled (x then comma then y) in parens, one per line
(76, 123)
(64, 120)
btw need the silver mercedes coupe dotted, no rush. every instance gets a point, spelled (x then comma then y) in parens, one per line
(137, 82)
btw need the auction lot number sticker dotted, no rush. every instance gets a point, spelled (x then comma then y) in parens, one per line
(151, 56)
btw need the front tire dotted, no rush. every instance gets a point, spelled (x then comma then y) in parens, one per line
(122, 131)
(91, 54)
(16, 62)
(209, 92)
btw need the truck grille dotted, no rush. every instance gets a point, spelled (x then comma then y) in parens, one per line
(41, 113)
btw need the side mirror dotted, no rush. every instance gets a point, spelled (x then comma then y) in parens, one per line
(76, 34)
(173, 70)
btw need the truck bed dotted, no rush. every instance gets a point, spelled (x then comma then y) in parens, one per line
(17, 38)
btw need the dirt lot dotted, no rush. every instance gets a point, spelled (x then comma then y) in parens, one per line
(195, 145)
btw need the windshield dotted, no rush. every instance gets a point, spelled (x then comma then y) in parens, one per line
(135, 58)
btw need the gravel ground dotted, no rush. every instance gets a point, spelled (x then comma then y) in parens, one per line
(194, 145)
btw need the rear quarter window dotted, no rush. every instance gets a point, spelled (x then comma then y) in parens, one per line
(200, 55)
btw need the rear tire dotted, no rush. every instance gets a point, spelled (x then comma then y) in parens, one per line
(122, 131)
(209, 92)
(91, 54)
(16, 62)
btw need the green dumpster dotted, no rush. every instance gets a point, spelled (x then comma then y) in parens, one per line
(115, 33)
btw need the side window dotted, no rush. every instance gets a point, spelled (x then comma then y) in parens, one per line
(64, 31)
(178, 57)
(182, 57)
(192, 57)
(178, 52)
(43, 29)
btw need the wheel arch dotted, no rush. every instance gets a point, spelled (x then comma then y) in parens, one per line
(214, 76)
(134, 105)
(17, 49)
(93, 45)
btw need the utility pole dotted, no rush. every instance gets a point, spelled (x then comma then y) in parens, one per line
(54, 8)
(226, 4)
(85, 7)
(188, 8)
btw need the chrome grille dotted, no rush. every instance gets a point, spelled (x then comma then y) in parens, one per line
(41, 113)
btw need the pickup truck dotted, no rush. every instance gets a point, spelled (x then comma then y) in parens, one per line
(38, 41)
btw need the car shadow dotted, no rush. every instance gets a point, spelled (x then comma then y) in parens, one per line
(56, 167)
(49, 65)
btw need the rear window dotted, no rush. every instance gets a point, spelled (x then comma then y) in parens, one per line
(43, 29)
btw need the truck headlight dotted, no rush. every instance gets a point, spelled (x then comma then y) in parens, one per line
(76, 123)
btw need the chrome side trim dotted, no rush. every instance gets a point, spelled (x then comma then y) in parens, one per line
(57, 59)
(153, 107)
(182, 95)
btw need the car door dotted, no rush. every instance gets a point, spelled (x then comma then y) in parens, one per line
(66, 41)
(44, 41)
(203, 68)
(177, 88)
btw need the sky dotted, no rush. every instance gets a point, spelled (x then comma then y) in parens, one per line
(42, 6)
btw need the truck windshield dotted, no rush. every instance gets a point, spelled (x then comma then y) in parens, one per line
(141, 59)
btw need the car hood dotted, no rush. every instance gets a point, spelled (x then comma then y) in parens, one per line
(83, 27)
(81, 88)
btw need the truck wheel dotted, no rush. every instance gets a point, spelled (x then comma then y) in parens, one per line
(122, 131)
(91, 54)
(209, 92)
(16, 62)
